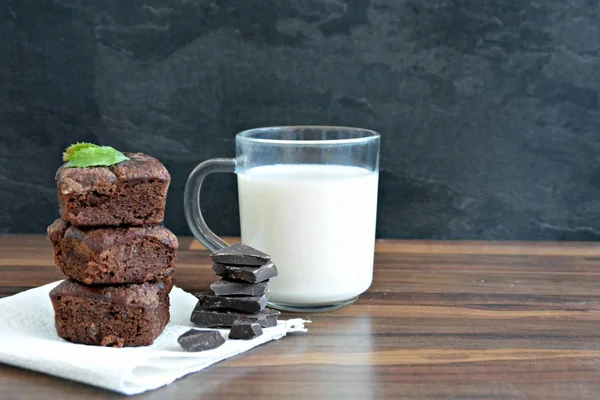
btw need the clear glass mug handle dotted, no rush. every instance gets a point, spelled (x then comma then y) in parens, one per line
(191, 201)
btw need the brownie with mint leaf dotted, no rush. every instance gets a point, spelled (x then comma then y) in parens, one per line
(131, 191)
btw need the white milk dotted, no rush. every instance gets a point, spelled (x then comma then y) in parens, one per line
(318, 224)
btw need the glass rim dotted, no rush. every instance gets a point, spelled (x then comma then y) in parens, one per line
(367, 135)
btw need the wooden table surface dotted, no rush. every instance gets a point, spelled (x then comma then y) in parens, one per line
(442, 320)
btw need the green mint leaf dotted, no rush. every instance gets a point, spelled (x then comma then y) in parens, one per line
(98, 156)
(76, 147)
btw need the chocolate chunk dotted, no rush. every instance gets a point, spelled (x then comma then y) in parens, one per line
(226, 287)
(245, 330)
(247, 274)
(213, 318)
(240, 254)
(251, 305)
(197, 340)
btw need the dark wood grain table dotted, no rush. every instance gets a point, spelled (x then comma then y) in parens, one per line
(442, 320)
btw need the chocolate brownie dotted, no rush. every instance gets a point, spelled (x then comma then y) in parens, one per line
(132, 192)
(113, 255)
(116, 316)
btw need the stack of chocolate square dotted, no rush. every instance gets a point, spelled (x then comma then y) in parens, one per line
(117, 256)
(238, 300)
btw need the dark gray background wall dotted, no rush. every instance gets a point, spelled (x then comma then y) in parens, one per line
(488, 109)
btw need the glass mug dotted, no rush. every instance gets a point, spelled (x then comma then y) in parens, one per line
(308, 198)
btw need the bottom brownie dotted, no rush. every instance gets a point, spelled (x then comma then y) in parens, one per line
(116, 316)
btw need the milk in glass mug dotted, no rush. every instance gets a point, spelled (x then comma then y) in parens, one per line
(308, 198)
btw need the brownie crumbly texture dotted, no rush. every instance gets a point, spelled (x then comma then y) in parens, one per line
(132, 192)
(113, 255)
(116, 316)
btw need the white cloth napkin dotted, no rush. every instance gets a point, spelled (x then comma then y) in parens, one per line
(28, 340)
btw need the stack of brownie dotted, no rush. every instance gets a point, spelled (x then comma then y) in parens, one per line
(238, 300)
(117, 256)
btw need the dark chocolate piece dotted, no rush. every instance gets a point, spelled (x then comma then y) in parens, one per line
(240, 254)
(247, 274)
(214, 319)
(245, 330)
(252, 305)
(197, 340)
(226, 287)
